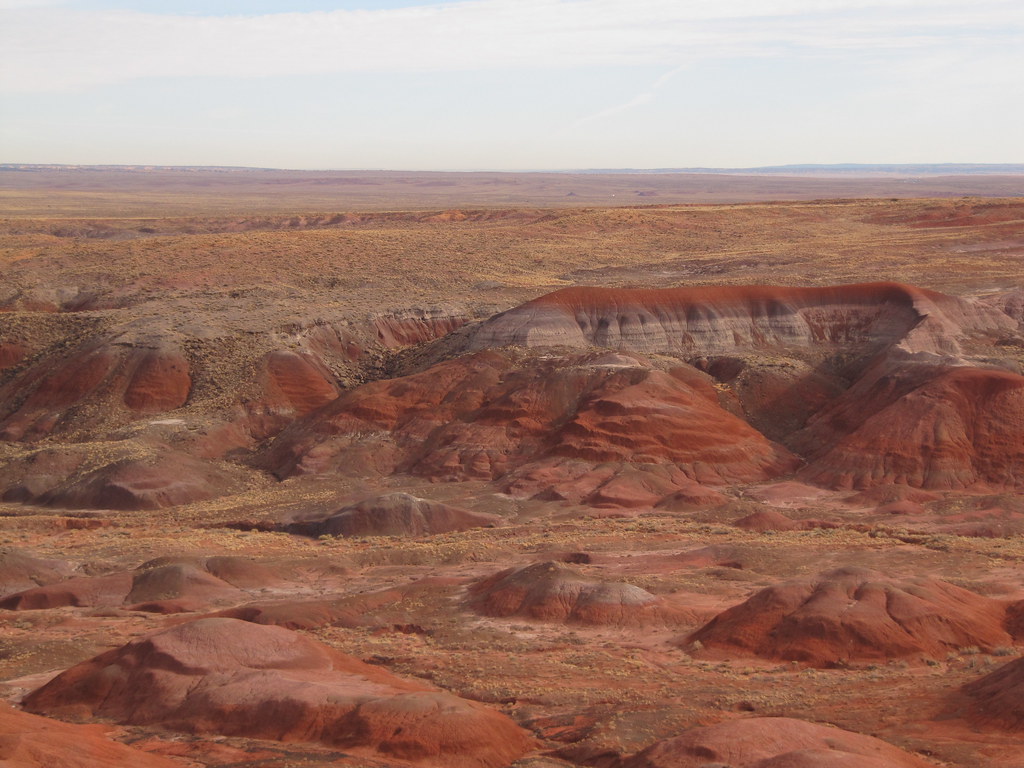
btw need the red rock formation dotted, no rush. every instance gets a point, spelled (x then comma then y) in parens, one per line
(293, 385)
(48, 394)
(481, 415)
(773, 742)
(30, 741)
(415, 326)
(997, 699)
(610, 485)
(159, 381)
(552, 591)
(923, 426)
(240, 679)
(726, 319)
(854, 614)
(395, 514)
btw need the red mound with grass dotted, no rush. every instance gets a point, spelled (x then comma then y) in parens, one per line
(30, 741)
(552, 591)
(71, 479)
(483, 415)
(396, 514)
(854, 614)
(236, 678)
(773, 742)
(997, 699)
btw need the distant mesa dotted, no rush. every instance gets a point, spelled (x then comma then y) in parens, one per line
(773, 742)
(716, 320)
(234, 678)
(553, 591)
(855, 614)
(395, 514)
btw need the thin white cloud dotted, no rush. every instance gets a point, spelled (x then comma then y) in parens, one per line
(646, 96)
(45, 49)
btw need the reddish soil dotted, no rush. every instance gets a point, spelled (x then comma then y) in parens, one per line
(468, 484)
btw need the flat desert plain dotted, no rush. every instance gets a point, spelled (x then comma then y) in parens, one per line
(483, 470)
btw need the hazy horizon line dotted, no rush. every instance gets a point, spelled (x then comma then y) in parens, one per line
(1009, 167)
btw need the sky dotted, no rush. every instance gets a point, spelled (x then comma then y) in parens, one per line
(511, 84)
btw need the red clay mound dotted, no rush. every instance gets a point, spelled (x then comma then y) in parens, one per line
(296, 614)
(235, 678)
(20, 570)
(885, 494)
(610, 485)
(553, 591)
(167, 584)
(480, 416)
(396, 514)
(190, 587)
(82, 591)
(922, 426)
(241, 572)
(997, 699)
(30, 741)
(111, 376)
(854, 614)
(773, 520)
(715, 320)
(773, 742)
(166, 479)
